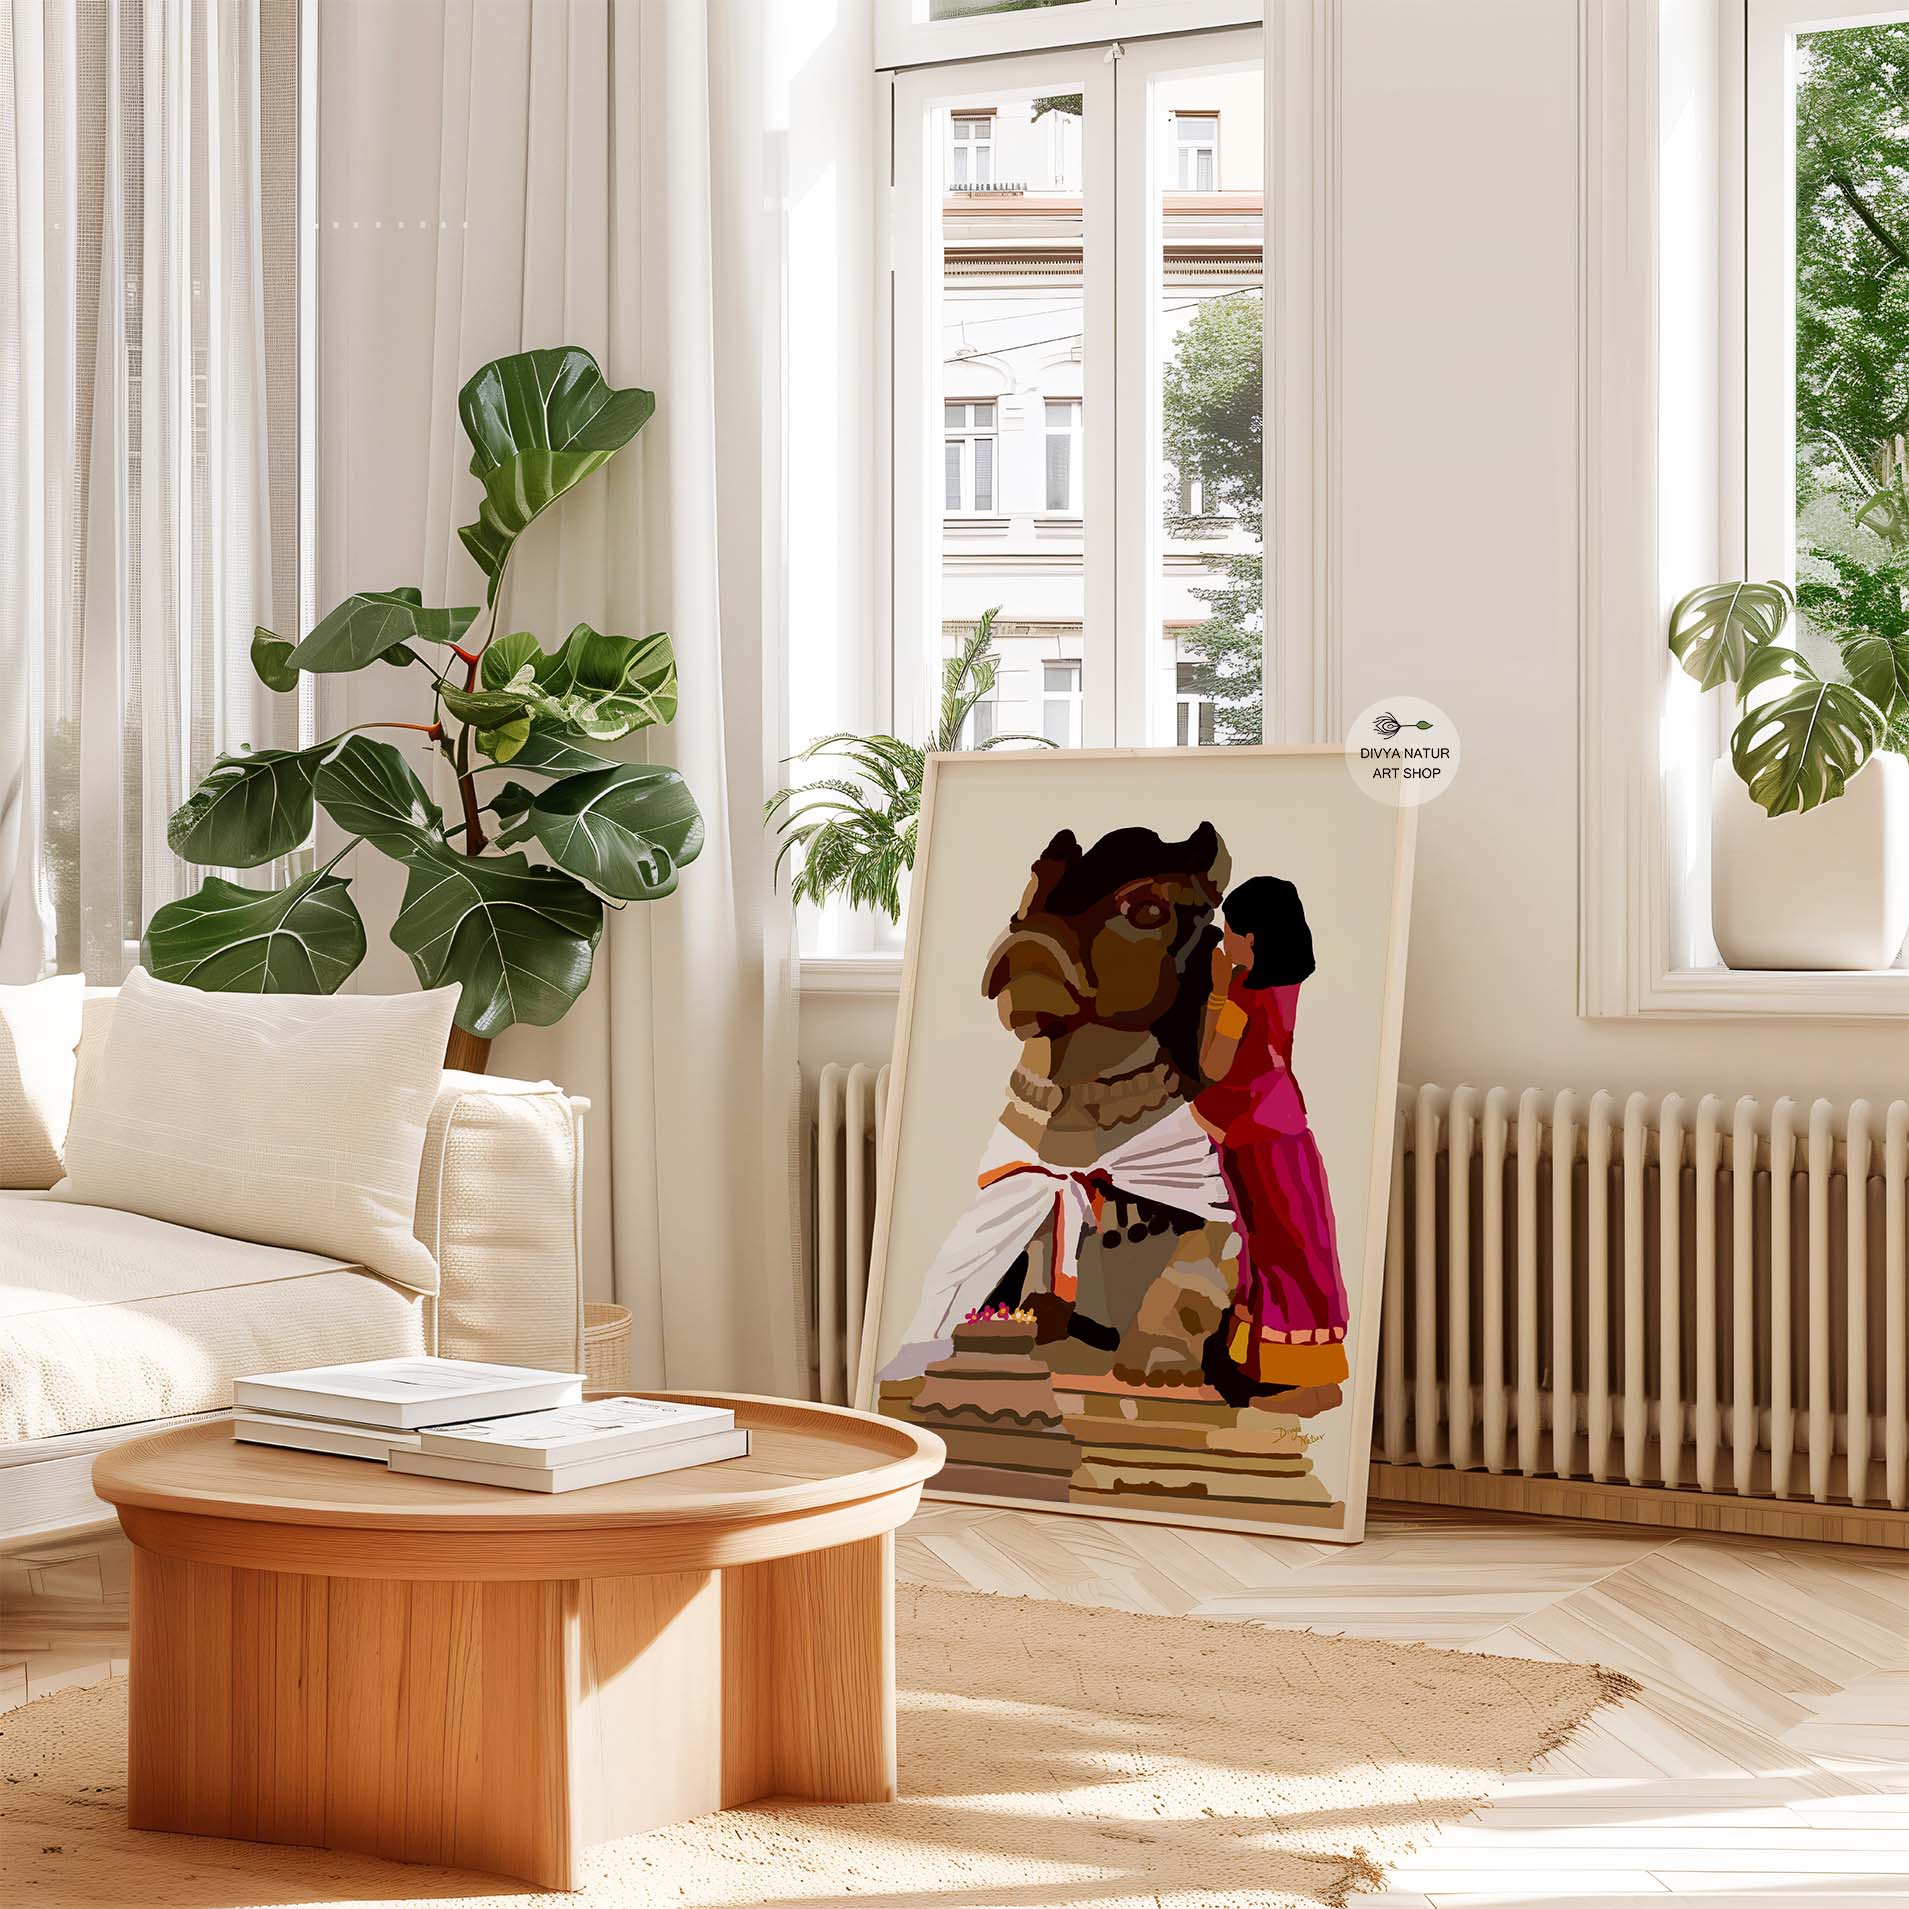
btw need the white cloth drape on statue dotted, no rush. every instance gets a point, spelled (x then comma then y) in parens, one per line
(556, 186)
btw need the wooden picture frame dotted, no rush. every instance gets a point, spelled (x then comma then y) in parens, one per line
(1173, 1420)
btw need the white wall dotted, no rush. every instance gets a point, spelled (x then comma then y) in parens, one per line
(1460, 523)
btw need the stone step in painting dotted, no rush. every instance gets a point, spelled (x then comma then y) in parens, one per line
(1012, 1427)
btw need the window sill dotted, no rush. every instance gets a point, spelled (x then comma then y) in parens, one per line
(868, 974)
(1778, 994)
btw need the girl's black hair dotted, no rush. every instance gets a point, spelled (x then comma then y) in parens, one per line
(1269, 909)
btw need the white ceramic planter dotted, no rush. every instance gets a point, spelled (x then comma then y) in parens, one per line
(1826, 889)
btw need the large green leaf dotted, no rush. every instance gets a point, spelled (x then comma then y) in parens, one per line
(251, 807)
(1716, 629)
(626, 830)
(1878, 665)
(602, 687)
(548, 751)
(1800, 750)
(368, 789)
(305, 938)
(517, 940)
(539, 423)
(505, 655)
(372, 623)
(271, 660)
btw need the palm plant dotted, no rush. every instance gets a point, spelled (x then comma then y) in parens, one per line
(856, 832)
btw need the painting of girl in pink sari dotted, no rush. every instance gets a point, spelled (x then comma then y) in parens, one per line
(1139, 1137)
(1287, 1326)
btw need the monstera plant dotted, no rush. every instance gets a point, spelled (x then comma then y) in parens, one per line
(515, 937)
(1798, 745)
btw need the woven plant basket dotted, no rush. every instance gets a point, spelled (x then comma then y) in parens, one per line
(606, 1346)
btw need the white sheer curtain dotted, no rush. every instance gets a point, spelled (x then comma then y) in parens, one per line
(148, 441)
(499, 175)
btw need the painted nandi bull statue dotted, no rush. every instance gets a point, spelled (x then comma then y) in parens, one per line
(1099, 1205)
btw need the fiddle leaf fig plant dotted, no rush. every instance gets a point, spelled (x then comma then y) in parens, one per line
(516, 937)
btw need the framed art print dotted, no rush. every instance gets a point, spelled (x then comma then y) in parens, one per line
(1131, 1233)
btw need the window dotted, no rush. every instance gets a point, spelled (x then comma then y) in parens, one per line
(1195, 711)
(968, 457)
(982, 724)
(1198, 138)
(1097, 293)
(1060, 703)
(1063, 454)
(972, 162)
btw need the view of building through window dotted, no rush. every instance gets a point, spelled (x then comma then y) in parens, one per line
(1020, 433)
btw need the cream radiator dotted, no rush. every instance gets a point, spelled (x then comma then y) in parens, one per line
(1530, 1327)
(850, 1103)
(1551, 1310)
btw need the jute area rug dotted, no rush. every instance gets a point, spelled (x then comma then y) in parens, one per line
(1050, 1754)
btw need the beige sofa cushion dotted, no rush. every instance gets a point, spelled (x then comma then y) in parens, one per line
(39, 1029)
(293, 1120)
(112, 1318)
(497, 1206)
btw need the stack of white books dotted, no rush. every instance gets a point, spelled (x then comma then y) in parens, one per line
(377, 1407)
(505, 1425)
(595, 1443)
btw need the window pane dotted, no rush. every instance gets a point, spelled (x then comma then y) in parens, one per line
(1209, 665)
(1852, 332)
(1060, 678)
(981, 725)
(1059, 483)
(1012, 352)
(954, 476)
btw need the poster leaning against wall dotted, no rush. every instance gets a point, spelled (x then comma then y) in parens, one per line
(1132, 1230)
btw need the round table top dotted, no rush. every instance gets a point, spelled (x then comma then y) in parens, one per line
(803, 1458)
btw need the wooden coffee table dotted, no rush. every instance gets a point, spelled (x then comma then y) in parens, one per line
(324, 1651)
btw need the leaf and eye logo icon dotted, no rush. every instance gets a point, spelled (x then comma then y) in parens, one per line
(1388, 725)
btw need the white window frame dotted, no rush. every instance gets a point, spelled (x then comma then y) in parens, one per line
(905, 36)
(967, 435)
(913, 532)
(1068, 701)
(1686, 472)
(1185, 149)
(1126, 702)
(1188, 703)
(1304, 670)
(977, 145)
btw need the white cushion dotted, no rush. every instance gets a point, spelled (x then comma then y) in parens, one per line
(290, 1119)
(110, 1318)
(39, 1029)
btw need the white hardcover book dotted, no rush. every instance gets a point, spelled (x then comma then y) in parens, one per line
(314, 1435)
(403, 1394)
(680, 1456)
(571, 1434)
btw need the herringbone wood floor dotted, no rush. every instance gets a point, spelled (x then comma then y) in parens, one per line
(1766, 1764)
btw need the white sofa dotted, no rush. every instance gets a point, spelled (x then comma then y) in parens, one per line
(113, 1325)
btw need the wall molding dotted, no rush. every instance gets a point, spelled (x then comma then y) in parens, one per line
(1303, 357)
(1620, 661)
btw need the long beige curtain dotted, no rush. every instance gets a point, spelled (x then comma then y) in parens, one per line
(508, 174)
(149, 404)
